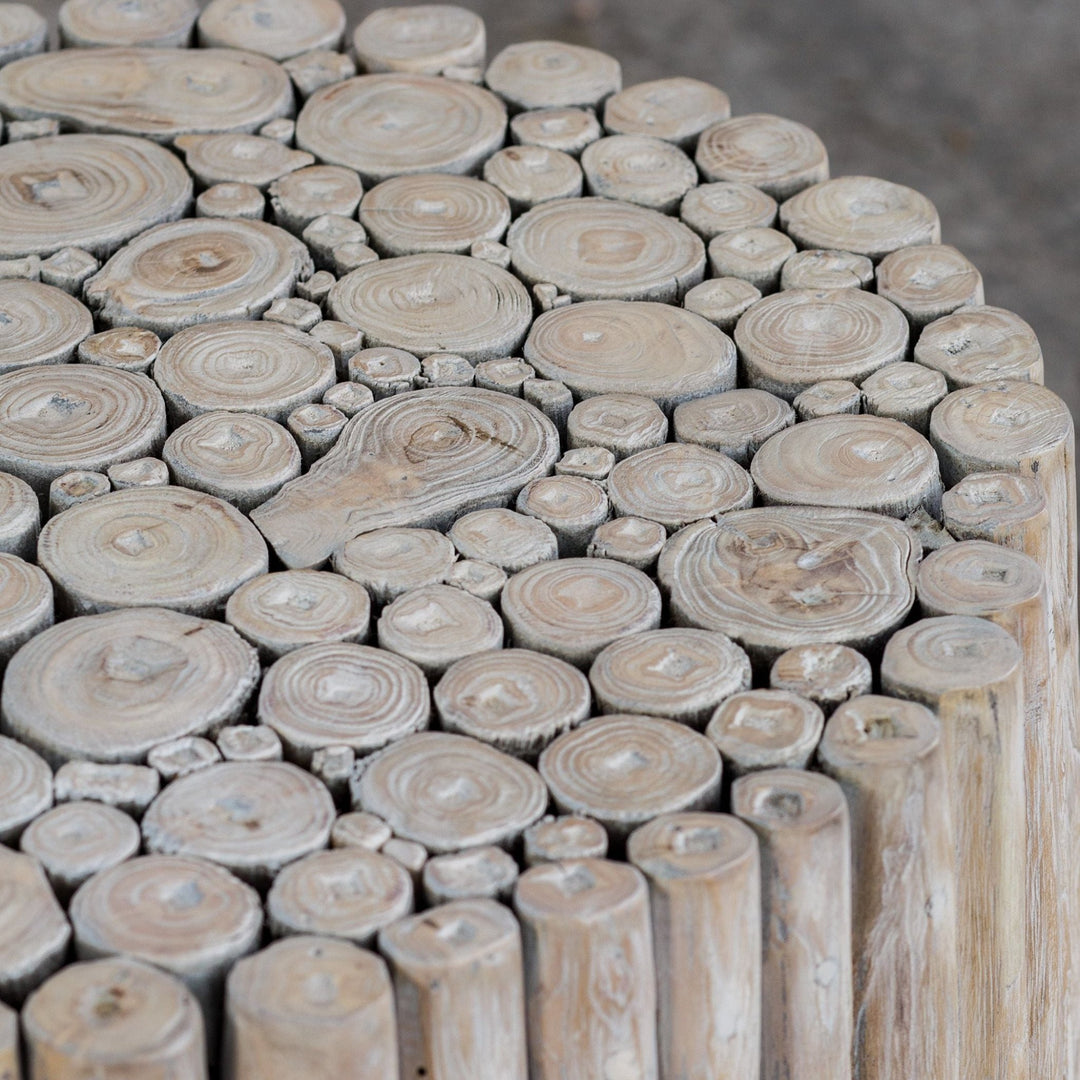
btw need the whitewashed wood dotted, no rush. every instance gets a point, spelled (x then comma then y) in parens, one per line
(819, 268)
(705, 899)
(25, 789)
(766, 729)
(156, 93)
(275, 30)
(559, 839)
(309, 1006)
(888, 758)
(424, 39)
(634, 541)
(311, 71)
(316, 428)
(391, 561)
(130, 788)
(479, 579)
(384, 371)
(251, 817)
(23, 31)
(249, 742)
(553, 74)
(1004, 508)
(129, 348)
(281, 129)
(625, 424)
(342, 694)
(28, 268)
(713, 209)
(721, 301)
(479, 873)
(10, 1050)
(979, 344)
(590, 977)
(571, 506)
(26, 604)
(392, 124)
(20, 517)
(334, 766)
(735, 423)
(111, 687)
(572, 608)
(300, 197)
(980, 705)
(197, 271)
(860, 214)
(112, 1018)
(178, 757)
(567, 129)
(528, 175)
(140, 472)
(68, 269)
(329, 231)
(410, 855)
(793, 339)
(590, 462)
(348, 893)
(391, 466)
(348, 398)
(929, 281)
(638, 169)
(445, 369)
(603, 249)
(158, 546)
(830, 397)
(677, 110)
(503, 538)
(360, 829)
(76, 486)
(756, 254)
(243, 202)
(450, 792)
(516, 700)
(861, 462)
(904, 391)
(801, 820)
(826, 674)
(454, 1021)
(929, 532)
(161, 23)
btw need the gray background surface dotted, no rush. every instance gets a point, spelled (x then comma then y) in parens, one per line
(973, 102)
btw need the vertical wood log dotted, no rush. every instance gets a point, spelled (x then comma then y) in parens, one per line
(20, 517)
(677, 110)
(249, 742)
(755, 255)
(231, 201)
(277, 32)
(822, 269)
(77, 486)
(566, 837)
(765, 729)
(528, 175)
(506, 539)
(552, 74)
(736, 423)
(904, 391)
(360, 829)
(828, 675)
(26, 606)
(130, 788)
(178, 757)
(422, 39)
(928, 281)
(571, 506)
(830, 397)
(479, 873)
(638, 169)
(622, 423)
(142, 472)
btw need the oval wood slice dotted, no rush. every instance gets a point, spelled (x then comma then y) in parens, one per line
(827, 674)
(158, 23)
(571, 506)
(477, 874)
(677, 110)
(389, 562)
(736, 423)
(26, 789)
(819, 268)
(504, 538)
(528, 175)
(766, 729)
(567, 129)
(26, 604)
(239, 159)
(553, 74)
(23, 31)
(928, 281)
(127, 347)
(638, 169)
(423, 39)
(712, 209)
(905, 392)
(623, 424)
(629, 540)
(564, 837)
(830, 397)
(249, 742)
(279, 31)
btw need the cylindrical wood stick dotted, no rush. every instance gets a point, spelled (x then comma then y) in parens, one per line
(826, 674)
(26, 605)
(20, 517)
(904, 391)
(422, 39)
(630, 540)
(569, 836)
(389, 562)
(625, 424)
(736, 423)
(571, 506)
(504, 538)
(712, 209)
(677, 110)
(819, 268)
(722, 300)
(479, 873)
(765, 729)
(829, 397)
(754, 254)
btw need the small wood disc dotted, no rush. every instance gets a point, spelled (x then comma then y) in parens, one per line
(638, 169)
(60, 417)
(342, 694)
(572, 506)
(158, 93)
(257, 367)
(568, 130)
(766, 729)
(826, 674)
(197, 271)
(163, 546)
(129, 348)
(736, 423)
(976, 577)
(283, 611)
(984, 502)
(516, 700)
(20, 517)
(626, 770)
(860, 214)
(157, 23)
(630, 540)
(346, 893)
(389, 562)
(528, 175)
(572, 608)
(602, 249)
(712, 209)
(93, 192)
(433, 212)
(279, 31)
(450, 792)
(252, 817)
(504, 538)
(755, 254)
(652, 350)
(26, 604)
(424, 39)
(722, 301)
(677, 110)
(240, 159)
(553, 74)
(435, 303)
(780, 576)
(249, 742)
(777, 155)
(929, 281)
(793, 339)
(675, 484)
(905, 392)
(479, 873)
(23, 31)
(676, 674)
(829, 397)
(26, 788)
(568, 836)
(981, 344)
(623, 424)
(862, 462)
(389, 125)
(111, 687)
(819, 269)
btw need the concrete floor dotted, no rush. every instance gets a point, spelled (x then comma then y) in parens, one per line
(973, 102)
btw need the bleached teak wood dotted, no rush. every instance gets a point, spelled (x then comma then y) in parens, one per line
(590, 977)
(130, 788)
(506, 374)
(676, 110)
(459, 987)
(712, 209)
(239, 159)
(391, 561)
(161, 546)
(315, 427)
(754, 254)
(181, 756)
(830, 397)
(819, 268)
(384, 371)
(76, 486)
(766, 729)
(722, 301)
(233, 201)
(298, 198)
(904, 391)
(625, 424)
(528, 175)
(25, 788)
(127, 347)
(736, 423)
(631, 540)
(410, 855)
(20, 517)
(888, 758)
(826, 674)
(503, 538)
(360, 829)
(970, 673)
(309, 1006)
(979, 344)
(249, 742)
(516, 700)
(20, 130)
(589, 462)
(348, 893)
(342, 694)
(705, 899)
(161, 23)
(565, 837)
(41, 324)
(424, 39)
(328, 232)
(553, 398)
(571, 506)
(392, 472)
(111, 687)
(479, 873)
(111, 1018)
(479, 579)
(278, 30)
(349, 398)
(23, 32)
(445, 369)
(553, 74)
(567, 129)
(928, 281)
(334, 766)
(311, 71)
(638, 169)
(26, 604)
(281, 129)
(68, 269)
(450, 792)
(252, 817)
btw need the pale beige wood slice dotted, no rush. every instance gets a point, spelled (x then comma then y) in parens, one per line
(26, 789)
(20, 130)
(724, 206)
(819, 268)
(929, 281)
(26, 604)
(483, 873)
(311, 71)
(590, 462)
(410, 855)
(561, 838)
(638, 169)
(452, 1021)
(479, 579)
(625, 424)
(424, 39)
(328, 232)
(590, 976)
(1001, 507)
(385, 371)
(826, 674)
(504, 538)
(178, 757)
(342, 694)
(281, 129)
(141, 472)
(904, 391)
(631, 540)
(20, 517)
(528, 175)
(130, 788)
(735, 423)
(754, 254)
(970, 673)
(450, 792)
(315, 427)
(76, 486)
(349, 398)
(677, 110)
(888, 758)
(567, 129)
(156, 93)
(68, 269)
(391, 561)
(23, 31)
(113, 1018)
(445, 369)
(273, 29)
(243, 202)
(111, 687)
(830, 397)
(160, 23)
(506, 374)
(129, 348)
(298, 198)
(360, 829)
(766, 729)
(722, 301)
(249, 742)
(553, 398)
(10, 1050)
(553, 74)
(314, 291)
(603, 249)
(571, 506)
(309, 1006)
(929, 532)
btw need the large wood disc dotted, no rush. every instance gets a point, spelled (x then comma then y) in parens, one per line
(86, 191)
(159, 93)
(196, 271)
(435, 303)
(419, 459)
(653, 350)
(602, 249)
(553, 74)
(164, 546)
(111, 687)
(780, 576)
(273, 29)
(389, 125)
(424, 39)
(39, 324)
(158, 23)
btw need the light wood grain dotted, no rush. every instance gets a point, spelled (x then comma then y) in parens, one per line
(311, 71)
(503, 538)
(528, 175)
(10, 1049)
(76, 486)
(181, 756)
(565, 837)
(928, 281)
(129, 348)
(766, 729)
(712, 209)
(298, 198)
(624, 424)
(23, 32)
(736, 423)
(722, 301)
(243, 202)
(829, 397)
(25, 789)
(754, 254)
(638, 169)
(315, 427)
(571, 506)
(358, 828)
(20, 517)
(275, 30)
(479, 873)
(634, 541)
(567, 129)
(424, 39)
(677, 110)
(26, 604)
(160, 23)
(249, 742)
(130, 788)
(384, 371)
(553, 74)
(820, 268)
(906, 392)
(826, 674)
(140, 472)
